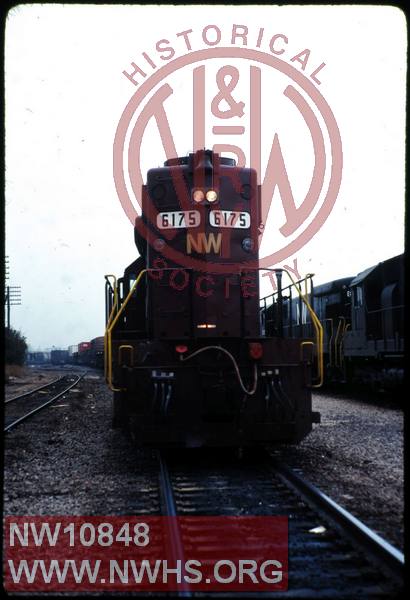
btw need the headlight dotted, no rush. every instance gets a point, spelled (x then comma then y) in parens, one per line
(198, 195)
(211, 196)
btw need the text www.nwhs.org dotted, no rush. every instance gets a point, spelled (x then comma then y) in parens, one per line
(131, 571)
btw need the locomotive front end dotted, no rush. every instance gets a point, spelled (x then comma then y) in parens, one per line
(187, 352)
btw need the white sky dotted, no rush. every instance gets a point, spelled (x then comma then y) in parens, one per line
(65, 93)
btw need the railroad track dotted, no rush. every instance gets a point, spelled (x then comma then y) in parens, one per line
(33, 391)
(331, 553)
(20, 408)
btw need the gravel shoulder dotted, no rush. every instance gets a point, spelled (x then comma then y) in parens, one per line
(356, 456)
(68, 460)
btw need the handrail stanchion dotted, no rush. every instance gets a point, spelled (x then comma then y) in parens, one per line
(278, 273)
(330, 340)
(318, 329)
(303, 299)
(336, 341)
(110, 317)
(112, 324)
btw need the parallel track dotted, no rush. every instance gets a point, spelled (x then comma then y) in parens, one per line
(347, 560)
(374, 544)
(37, 389)
(20, 408)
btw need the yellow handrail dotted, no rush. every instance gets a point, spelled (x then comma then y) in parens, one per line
(318, 329)
(113, 320)
(110, 326)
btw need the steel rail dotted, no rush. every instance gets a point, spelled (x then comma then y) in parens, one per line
(42, 387)
(38, 408)
(368, 539)
(169, 509)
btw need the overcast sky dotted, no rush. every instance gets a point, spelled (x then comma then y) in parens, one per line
(66, 92)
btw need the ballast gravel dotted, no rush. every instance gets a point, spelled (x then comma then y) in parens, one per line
(355, 456)
(68, 460)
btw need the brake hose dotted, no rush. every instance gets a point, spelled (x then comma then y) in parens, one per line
(255, 368)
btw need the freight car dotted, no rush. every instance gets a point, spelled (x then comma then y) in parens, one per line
(89, 354)
(185, 354)
(96, 353)
(83, 353)
(37, 358)
(59, 357)
(73, 353)
(363, 325)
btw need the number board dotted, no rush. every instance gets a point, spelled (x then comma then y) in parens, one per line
(178, 219)
(192, 218)
(230, 218)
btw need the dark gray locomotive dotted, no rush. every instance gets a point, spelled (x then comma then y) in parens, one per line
(186, 357)
(363, 325)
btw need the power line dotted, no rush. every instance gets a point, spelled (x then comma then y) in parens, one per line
(12, 298)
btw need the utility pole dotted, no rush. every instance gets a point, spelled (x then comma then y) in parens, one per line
(13, 293)
(7, 301)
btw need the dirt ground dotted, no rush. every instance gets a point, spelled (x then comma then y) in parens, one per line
(23, 379)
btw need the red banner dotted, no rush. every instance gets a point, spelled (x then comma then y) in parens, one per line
(146, 553)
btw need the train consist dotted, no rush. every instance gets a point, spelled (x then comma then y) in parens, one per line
(85, 353)
(363, 325)
(90, 353)
(186, 355)
(38, 358)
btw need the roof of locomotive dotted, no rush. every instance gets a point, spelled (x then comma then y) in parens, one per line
(332, 286)
(185, 160)
(385, 264)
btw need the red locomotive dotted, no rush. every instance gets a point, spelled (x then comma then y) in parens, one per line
(192, 357)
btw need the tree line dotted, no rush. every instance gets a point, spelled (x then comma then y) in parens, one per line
(16, 347)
